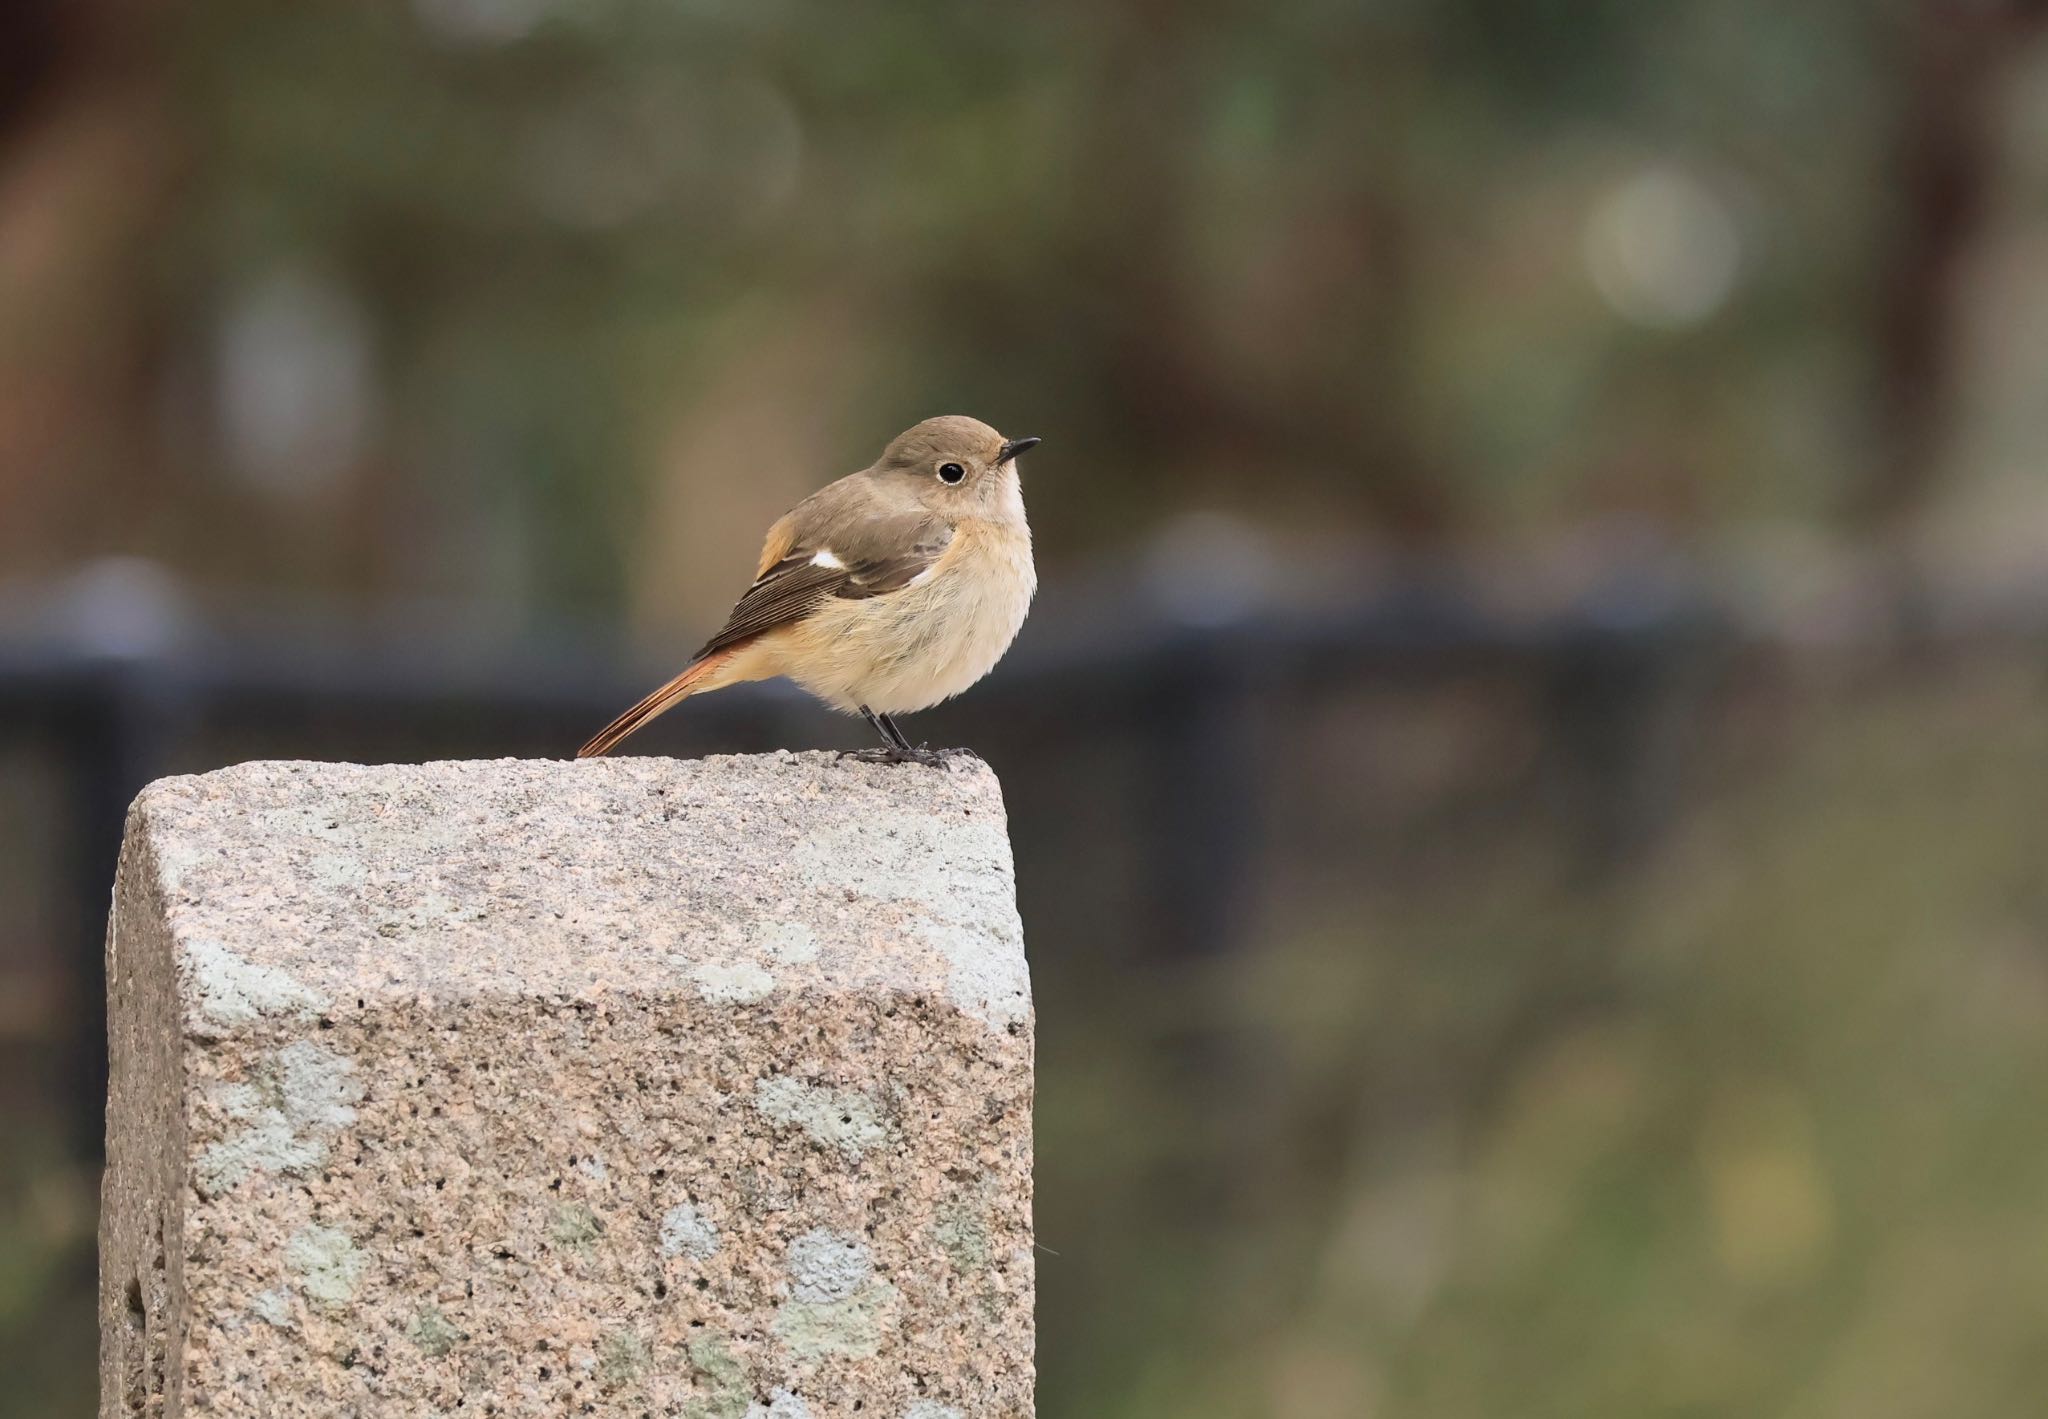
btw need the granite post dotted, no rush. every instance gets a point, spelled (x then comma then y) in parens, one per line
(630, 1087)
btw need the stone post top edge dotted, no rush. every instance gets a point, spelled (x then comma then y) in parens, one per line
(735, 879)
(968, 768)
(969, 776)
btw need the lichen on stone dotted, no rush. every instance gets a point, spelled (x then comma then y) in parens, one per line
(853, 1327)
(229, 991)
(273, 1307)
(431, 1331)
(575, 1226)
(825, 1265)
(711, 1358)
(621, 1355)
(927, 1409)
(845, 1119)
(327, 1263)
(959, 876)
(781, 1405)
(732, 982)
(962, 1234)
(687, 1232)
(712, 1363)
(793, 944)
(293, 1103)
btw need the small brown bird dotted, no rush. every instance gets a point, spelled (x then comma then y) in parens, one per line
(885, 592)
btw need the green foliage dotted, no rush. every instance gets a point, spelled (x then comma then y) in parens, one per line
(1328, 261)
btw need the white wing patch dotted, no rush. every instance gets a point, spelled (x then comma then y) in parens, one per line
(825, 558)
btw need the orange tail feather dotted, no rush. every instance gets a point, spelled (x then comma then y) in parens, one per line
(681, 688)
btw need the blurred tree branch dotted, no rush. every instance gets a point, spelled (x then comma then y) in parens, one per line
(1955, 52)
(32, 49)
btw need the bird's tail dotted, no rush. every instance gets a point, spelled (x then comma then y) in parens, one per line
(700, 675)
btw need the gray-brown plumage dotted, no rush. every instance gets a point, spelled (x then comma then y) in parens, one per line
(887, 591)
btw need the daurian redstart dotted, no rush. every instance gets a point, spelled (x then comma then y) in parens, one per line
(885, 592)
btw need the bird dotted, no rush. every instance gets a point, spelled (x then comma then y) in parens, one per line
(882, 593)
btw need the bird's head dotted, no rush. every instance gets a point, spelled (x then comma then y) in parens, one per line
(957, 464)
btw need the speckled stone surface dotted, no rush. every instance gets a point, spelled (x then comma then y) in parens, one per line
(627, 1088)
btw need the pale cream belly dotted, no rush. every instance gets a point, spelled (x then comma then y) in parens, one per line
(913, 648)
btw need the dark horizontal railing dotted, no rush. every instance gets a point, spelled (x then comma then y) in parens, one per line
(116, 681)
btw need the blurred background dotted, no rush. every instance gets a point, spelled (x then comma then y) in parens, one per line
(1529, 766)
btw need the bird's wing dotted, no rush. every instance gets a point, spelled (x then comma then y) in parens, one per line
(781, 539)
(847, 552)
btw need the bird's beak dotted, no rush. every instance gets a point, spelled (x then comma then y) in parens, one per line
(1012, 447)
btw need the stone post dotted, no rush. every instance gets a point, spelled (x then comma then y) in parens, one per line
(632, 1087)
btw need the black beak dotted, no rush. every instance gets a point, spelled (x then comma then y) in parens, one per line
(1012, 447)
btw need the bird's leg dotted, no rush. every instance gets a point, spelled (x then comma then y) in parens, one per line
(897, 749)
(879, 723)
(892, 733)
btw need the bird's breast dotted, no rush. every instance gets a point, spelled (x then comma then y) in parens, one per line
(912, 648)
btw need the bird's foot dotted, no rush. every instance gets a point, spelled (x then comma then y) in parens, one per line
(923, 754)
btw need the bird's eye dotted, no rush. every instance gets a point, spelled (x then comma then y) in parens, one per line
(952, 472)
